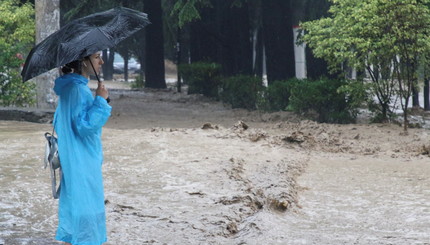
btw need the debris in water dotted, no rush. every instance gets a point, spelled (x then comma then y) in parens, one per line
(232, 228)
(241, 125)
(209, 126)
(296, 137)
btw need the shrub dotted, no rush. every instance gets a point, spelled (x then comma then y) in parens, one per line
(276, 96)
(242, 91)
(17, 28)
(324, 97)
(139, 82)
(13, 92)
(202, 78)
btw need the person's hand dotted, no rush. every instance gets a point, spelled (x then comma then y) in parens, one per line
(102, 91)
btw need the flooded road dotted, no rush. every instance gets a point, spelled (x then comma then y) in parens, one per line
(363, 201)
(163, 185)
(222, 185)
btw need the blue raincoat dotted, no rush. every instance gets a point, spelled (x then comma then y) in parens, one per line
(78, 121)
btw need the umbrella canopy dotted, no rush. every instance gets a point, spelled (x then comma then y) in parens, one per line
(83, 37)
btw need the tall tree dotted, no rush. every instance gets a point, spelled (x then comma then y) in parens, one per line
(132, 45)
(316, 67)
(426, 93)
(107, 68)
(222, 35)
(278, 39)
(204, 37)
(236, 47)
(384, 37)
(257, 37)
(154, 48)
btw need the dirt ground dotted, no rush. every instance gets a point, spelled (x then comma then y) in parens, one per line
(184, 169)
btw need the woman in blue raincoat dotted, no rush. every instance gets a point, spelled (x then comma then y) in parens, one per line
(78, 121)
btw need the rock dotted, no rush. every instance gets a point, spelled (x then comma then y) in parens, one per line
(279, 205)
(232, 228)
(209, 126)
(425, 150)
(241, 125)
(257, 136)
(295, 137)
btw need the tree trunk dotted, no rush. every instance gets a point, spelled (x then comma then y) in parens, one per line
(316, 67)
(278, 40)
(126, 58)
(45, 96)
(140, 35)
(259, 54)
(205, 41)
(426, 95)
(257, 37)
(154, 49)
(415, 97)
(178, 57)
(222, 35)
(405, 120)
(107, 67)
(236, 47)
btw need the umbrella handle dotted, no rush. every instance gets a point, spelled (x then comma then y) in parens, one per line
(94, 70)
(95, 73)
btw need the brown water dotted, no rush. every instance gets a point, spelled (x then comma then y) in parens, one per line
(363, 201)
(218, 186)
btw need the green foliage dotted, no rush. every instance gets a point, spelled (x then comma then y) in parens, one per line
(324, 97)
(202, 78)
(242, 91)
(18, 30)
(13, 92)
(139, 82)
(356, 93)
(187, 10)
(276, 96)
(384, 37)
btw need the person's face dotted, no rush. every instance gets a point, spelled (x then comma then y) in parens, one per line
(97, 62)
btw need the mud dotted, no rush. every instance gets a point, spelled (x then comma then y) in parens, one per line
(187, 170)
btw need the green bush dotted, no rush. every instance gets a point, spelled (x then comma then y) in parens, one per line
(18, 31)
(242, 91)
(139, 82)
(13, 92)
(324, 96)
(276, 96)
(202, 78)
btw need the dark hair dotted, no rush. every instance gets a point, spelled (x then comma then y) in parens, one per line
(74, 66)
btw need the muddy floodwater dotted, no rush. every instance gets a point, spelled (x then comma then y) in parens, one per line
(207, 174)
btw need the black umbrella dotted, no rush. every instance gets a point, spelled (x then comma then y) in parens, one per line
(83, 37)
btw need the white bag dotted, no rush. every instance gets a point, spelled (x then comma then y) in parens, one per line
(53, 160)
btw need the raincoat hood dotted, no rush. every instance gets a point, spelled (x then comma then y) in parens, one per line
(68, 79)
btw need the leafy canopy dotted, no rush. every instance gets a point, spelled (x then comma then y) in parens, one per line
(387, 38)
(187, 10)
(17, 30)
(363, 32)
